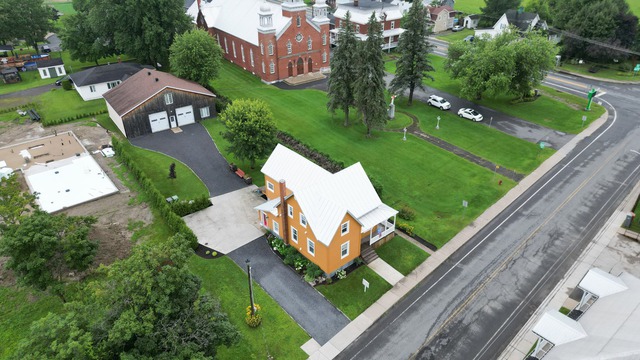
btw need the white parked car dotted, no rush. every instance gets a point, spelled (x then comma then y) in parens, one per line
(457, 28)
(440, 103)
(470, 114)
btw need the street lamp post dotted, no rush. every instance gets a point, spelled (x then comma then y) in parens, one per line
(438, 124)
(253, 308)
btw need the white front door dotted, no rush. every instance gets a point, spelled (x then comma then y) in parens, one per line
(159, 121)
(172, 121)
(185, 115)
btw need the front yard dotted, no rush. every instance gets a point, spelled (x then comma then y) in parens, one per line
(402, 255)
(348, 294)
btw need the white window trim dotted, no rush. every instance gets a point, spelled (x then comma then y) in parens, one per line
(393, 25)
(342, 247)
(226, 47)
(289, 47)
(313, 244)
(261, 49)
(270, 186)
(270, 48)
(276, 227)
(305, 220)
(324, 56)
(309, 43)
(168, 98)
(272, 67)
(251, 57)
(343, 233)
(233, 46)
(290, 210)
(294, 231)
(324, 39)
(242, 52)
(263, 68)
(92, 88)
(298, 21)
(204, 112)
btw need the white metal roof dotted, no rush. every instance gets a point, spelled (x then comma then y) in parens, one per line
(326, 198)
(558, 328)
(193, 11)
(240, 17)
(270, 206)
(361, 16)
(601, 283)
(612, 325)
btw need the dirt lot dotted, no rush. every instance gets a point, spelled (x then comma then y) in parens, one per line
(113, 212)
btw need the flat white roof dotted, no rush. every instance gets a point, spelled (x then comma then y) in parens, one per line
(68, 182)
(558, 328)
(601, 283)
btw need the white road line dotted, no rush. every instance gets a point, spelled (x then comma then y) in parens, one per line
(492, 231)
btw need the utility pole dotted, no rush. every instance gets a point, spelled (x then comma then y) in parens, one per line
(253, 307)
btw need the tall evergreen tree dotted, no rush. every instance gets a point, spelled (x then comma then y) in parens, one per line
(413, 64)
(343, 70)
(369, 86)
(493, 10)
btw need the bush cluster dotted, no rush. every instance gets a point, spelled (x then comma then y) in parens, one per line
(408, 229)
(67, 119)
(186, 207)
(156, 200)
(253, 320)
(406, 213)
(23, 107)
(293, 258)
(321, 159)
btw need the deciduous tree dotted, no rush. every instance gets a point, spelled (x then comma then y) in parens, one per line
(370, 86)
(413, 65)
(343, 70)
(195, 55)
(30, 20)
(14, 203)
(251, 131)
(493, 10)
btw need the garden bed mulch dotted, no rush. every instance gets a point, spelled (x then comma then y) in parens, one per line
(420, 240)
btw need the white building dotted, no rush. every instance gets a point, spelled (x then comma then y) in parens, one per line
(389, 13)
(51, 68)
(94, 82)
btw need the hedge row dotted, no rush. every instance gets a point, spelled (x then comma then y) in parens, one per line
(186, 207)
(156, 200)
(25, 107)
(67, 119)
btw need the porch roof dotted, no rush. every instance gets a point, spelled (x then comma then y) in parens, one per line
(269, 206)
(376, 216)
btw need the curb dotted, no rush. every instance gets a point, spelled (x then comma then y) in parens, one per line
(360, 324)
(597, 78)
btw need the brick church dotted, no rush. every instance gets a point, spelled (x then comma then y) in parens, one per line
(273, 40)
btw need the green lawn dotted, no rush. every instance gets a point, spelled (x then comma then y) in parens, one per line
(451, 36)
(30, 79)
(562, 115)
(348, 294)
(431, 181)
(65, 7)
(18, 308)
(507, 151)
(58, 104)
(75, 65)
(635, 225)
(469, 6)
(156, 166)
(634, 5)
(402, 255)
(399, 122)
(612, 71)
(279, 336)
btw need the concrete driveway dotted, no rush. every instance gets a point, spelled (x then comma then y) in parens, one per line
(315, 314)
(195, 148)
(230, 222)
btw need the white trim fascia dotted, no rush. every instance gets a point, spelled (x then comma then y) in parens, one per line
(159, 91)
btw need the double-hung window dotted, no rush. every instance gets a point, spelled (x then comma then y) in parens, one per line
(303, 220)
(311, 247)
(168, 98)
(294, 235)
(344, 250)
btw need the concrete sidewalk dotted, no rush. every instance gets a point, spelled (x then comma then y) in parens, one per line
(609, 251)
(359, 325)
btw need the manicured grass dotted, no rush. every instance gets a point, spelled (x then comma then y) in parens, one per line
(30, 79)
(469, 6)
(278, 336)
(59, 104)
(73, 66)
(562, 115)
(634, 5)
(451, 36)
(563, 310)
(156, 166)
(612, 72)
(431, 181)
(399, 122)
(402, 255)
(509, 152)
(635, 224)
(215, 127)
(65, 7)
(348, 294)
(19, 307)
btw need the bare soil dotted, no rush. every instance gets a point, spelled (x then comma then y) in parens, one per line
(114, 212)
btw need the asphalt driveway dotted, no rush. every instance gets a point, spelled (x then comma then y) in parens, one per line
(195, 148)
(315, 314)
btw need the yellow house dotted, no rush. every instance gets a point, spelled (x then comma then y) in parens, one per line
(329, 218)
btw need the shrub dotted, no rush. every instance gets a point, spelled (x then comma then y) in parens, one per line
(253, 320)
(312, 272)
(341, 274)
(358, 261)
(406, 228)
(66, 84)
(184, 207)
(406, 213)
(329, 280)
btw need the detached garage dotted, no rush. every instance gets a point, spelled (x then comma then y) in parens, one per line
(151, 101)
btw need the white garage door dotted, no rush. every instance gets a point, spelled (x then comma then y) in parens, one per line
(185, 115)
(159, 121)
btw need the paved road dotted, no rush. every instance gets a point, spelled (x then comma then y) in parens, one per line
(29, 92)
(471, 307)
(189, 147)
(303, 303)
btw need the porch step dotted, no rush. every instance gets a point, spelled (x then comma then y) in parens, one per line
(369, 255)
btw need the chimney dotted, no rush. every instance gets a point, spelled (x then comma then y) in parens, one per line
(284, 212)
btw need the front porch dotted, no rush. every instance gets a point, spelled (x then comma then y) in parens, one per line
(378, 232)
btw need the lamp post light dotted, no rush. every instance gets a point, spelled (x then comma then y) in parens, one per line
(253, 307)
(438, 124)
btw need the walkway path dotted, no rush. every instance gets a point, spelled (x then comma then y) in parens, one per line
(415, 130)
(312, 311)
(28, 92)
(386, 271)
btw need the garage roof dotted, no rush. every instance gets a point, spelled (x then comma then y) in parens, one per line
(144, 85)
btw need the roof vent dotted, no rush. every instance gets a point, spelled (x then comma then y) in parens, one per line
(157, 80)
(149, 73)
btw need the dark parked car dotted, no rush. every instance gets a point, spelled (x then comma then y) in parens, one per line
(59, 81)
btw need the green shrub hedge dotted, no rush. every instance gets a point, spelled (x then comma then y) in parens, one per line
(156, 200)
(49, 122)
(186, 207)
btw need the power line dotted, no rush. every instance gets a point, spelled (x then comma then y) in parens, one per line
(591, 41)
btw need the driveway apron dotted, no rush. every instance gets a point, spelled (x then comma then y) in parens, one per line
(315, 314)
(195, 148)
